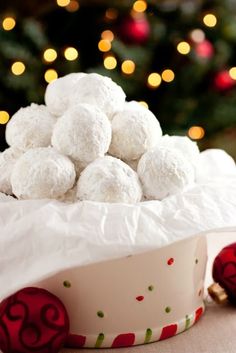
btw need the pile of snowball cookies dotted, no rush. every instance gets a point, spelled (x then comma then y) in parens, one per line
(89, 143)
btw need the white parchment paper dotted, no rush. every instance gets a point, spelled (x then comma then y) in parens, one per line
(40, 238)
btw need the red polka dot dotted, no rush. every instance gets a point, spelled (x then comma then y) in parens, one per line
(170, 261)
(140, 298)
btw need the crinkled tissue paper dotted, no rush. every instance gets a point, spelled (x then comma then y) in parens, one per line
(39, 238)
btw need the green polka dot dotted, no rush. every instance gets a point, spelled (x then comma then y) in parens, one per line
(66, 284)
(100, 314)
(168, 309)
(196, 261)
(100, 340)
(151, 288)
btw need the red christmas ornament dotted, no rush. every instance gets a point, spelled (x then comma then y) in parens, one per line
(33, 320)
(223, 81)
(224, 273)
(135, 29)
(204, 49)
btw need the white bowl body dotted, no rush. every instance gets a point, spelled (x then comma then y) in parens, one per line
(134, 300)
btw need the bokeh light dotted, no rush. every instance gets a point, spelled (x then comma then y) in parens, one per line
(144, 104)
(168, 75)
(73, 6)
(18, 68)
(107, 35)
(4, 117)
(196, 132)
(71, 54)
(50, 75)
(104, 45)
(110, 62)
(154, 80)
(8, 23)
(210, 20)
(140, 6)
(63, 3)
(232, 73)
(50, 55)
(183, 48)
(128, 67)
(111, 14)
(197, 35)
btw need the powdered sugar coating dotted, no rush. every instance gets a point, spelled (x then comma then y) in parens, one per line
(8, 159)
(163, 172)
(99, 91)
(70, 196)
(183, 144)
(30, 127)
(108, 179)
(133, 164)
(42, 173)
(82, 133)
(215, 163)
(135, 130)
(79, 166)
(58, 93)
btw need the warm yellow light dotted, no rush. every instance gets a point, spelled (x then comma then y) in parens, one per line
(111, 14)
(110, 62)
(154, 80)
(73, 6)
(210, 20)
(50, 55)
(140, 6)
(63, 3)
(197, 35)
(196, 132)
(168, 75)
(107, 35)
(232, 73)
(4, 117)
(183, 48)
(8, 23)
(50, 75)
(128, 67)
(144, 104)
(71, 54)
(18, 68)
(104, 45)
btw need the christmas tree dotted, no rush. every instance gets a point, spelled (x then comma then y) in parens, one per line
(177, 57)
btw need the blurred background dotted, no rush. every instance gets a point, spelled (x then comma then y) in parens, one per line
(177, 57)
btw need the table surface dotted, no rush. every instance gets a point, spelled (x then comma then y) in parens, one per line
(214, 333)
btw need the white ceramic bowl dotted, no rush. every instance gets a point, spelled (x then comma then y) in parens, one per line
(134, 300)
